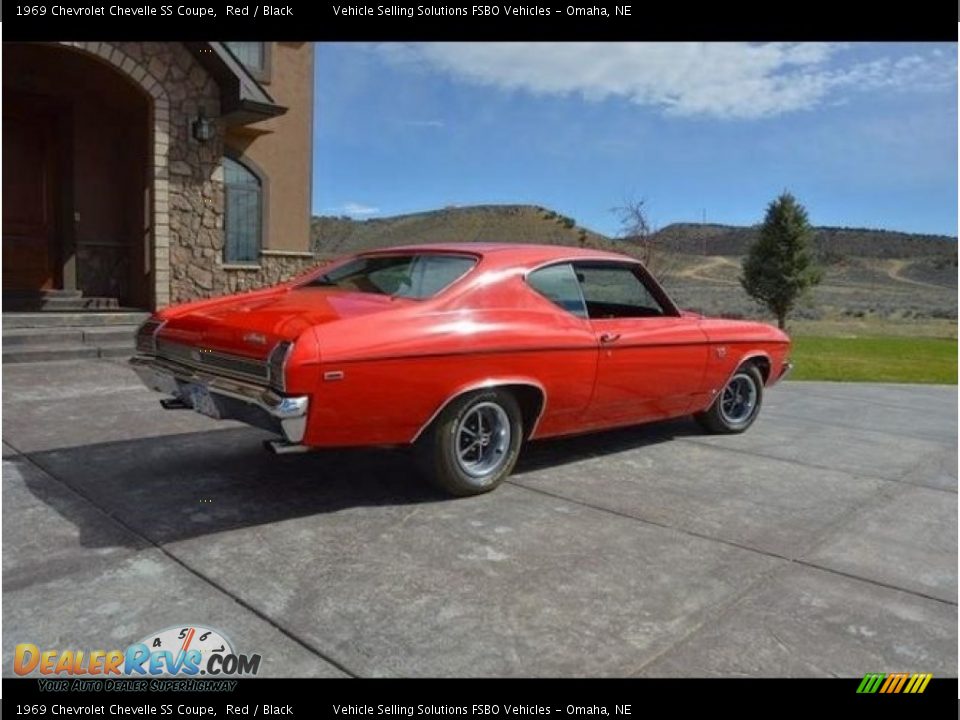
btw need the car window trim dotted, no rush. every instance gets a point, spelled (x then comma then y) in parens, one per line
(555, 263)
(643, 276)
(398, 253)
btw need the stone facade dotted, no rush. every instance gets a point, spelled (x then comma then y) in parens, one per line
(273, 268)
(188, 195)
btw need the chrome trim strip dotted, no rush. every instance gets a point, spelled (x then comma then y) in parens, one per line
(752, 356)
(786, 369)
(285, 348)
(290, 411)
(483, 385)
(621, 260)
(158, 325)
(176, 357)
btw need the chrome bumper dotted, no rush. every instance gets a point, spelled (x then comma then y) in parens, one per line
(785, 370)
(289, 412)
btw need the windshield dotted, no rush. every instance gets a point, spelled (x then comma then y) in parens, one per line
(409, 276)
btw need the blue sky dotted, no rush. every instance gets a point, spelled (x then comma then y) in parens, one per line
(863, 134)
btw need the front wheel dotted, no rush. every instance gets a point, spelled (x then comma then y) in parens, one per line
(737, 404)
(473, 444)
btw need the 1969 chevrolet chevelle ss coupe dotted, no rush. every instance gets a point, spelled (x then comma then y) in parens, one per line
(463, 351)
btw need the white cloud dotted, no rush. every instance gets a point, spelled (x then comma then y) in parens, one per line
(351, 208)
(726, 80)
(424, 123)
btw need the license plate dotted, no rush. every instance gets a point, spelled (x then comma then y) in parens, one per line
(202, 402)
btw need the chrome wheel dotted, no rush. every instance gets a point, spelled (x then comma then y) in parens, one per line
(739, 399)
(482, 439)
(473, 444)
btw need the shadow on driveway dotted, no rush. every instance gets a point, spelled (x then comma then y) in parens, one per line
(177, 487)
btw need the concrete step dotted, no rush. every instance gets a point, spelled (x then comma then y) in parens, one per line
(13, 320)
(28, 337)
(58, 303)
(116, 350)
(38, 294)
(43, 353)
(118, 334)
(55, 304)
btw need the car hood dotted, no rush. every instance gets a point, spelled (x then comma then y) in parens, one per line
(253, 325)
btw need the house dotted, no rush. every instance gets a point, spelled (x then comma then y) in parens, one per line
(148, 173)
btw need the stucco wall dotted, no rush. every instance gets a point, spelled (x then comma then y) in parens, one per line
(280, 146)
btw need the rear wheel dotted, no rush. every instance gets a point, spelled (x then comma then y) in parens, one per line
(473, 444)
(737, 404)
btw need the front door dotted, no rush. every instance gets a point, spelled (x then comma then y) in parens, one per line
(29, 210)
(651, 360)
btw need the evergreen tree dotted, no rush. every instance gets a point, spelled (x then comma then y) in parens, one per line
(779, 267)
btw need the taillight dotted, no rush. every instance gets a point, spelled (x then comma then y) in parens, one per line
(147, 337)
(276, 362)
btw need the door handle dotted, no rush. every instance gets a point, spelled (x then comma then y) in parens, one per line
(608, 338)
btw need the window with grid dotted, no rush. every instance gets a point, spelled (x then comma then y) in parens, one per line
(251, 54)
(243, 213)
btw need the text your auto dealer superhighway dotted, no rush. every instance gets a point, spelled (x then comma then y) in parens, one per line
(129, 11)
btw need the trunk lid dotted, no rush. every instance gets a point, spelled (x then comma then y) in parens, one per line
(253, 326)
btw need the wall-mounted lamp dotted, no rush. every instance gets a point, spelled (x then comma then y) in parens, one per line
(204, 129)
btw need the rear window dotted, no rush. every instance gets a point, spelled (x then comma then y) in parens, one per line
(416, 276)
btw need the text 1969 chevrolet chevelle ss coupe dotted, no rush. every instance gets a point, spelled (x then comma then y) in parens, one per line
(461, 350)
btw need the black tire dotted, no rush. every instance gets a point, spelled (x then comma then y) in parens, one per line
(449, 457)
(727, 415)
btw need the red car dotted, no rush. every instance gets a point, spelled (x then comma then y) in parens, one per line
(463, 351)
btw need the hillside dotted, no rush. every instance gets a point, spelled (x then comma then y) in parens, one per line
(533, 224)
(480, 223)
(875, 274)
(829, 242)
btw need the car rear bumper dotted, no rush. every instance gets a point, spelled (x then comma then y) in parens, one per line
(232, 399)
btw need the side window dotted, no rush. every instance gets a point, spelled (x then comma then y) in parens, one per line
(615, 291)
(558, 283)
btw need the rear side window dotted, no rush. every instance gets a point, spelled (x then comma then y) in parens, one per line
(411, 276)
(559, 284)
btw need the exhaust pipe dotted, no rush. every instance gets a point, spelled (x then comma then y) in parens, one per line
(174, 403)
(282, 447)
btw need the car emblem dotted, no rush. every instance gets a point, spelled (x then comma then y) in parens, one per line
(255, 339)
(721, 352)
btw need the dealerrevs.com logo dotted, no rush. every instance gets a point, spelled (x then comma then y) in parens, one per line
(187, 650)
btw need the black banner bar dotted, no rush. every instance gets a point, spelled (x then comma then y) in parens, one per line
(497, 698)
(300, 20)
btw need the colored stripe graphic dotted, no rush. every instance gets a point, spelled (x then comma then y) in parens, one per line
(918, 682)
(894, 683)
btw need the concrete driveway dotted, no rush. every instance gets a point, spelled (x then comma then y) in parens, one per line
(822, 542)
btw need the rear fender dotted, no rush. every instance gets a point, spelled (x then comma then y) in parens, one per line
(486, 384)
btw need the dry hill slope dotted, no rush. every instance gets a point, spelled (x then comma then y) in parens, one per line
(868, 273)
(482, 223)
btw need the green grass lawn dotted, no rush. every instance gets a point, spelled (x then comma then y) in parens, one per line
(875, 359)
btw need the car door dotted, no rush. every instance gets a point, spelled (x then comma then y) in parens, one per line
(651, 358)
(570, 371)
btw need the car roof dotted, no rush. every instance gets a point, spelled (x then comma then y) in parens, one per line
(509, 254)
